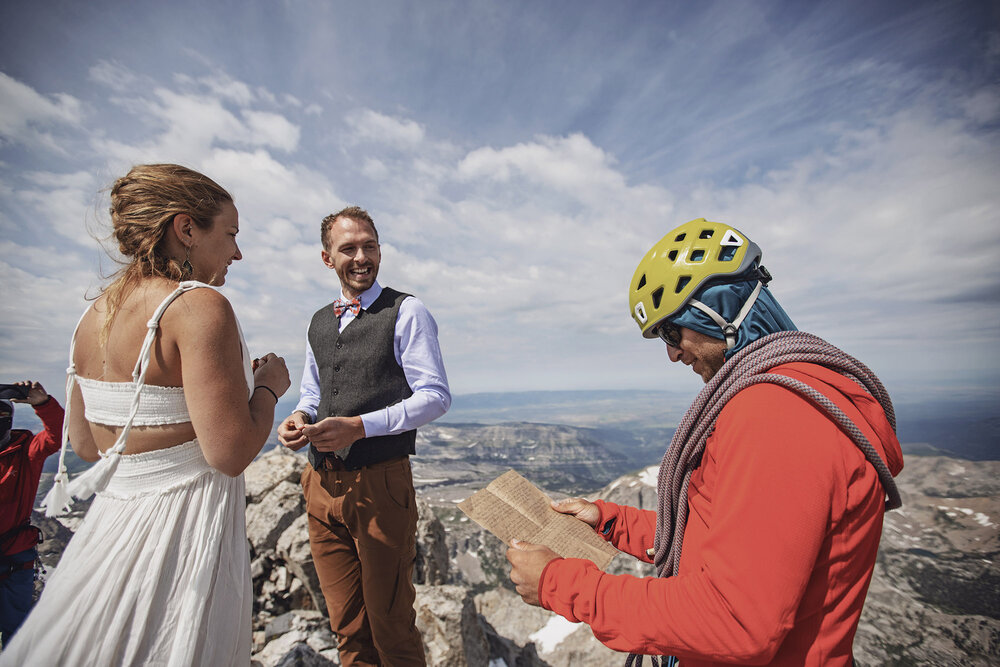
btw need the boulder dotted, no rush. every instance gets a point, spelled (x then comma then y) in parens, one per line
(431, 565)
(449, 625)
(299, 637)
(271, 469)
(535, 636)
(292, 650)
(293, 549)
(302, 655)
(276, 511)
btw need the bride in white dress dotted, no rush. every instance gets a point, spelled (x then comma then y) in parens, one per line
(161, 393)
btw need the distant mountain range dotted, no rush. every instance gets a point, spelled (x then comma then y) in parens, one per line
(631, 429)
(967, 429)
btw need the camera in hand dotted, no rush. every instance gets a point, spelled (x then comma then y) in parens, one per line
(9, 391)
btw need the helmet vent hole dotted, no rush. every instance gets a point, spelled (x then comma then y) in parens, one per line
(727, 253)
(706, 233)
(642, 282)
(672, 255)
(697, 255)
(657, 296)
(680, 237)
(682, 283)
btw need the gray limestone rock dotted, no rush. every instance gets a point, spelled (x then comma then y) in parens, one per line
(271, 469)
(292, 649)
(447, 620)
(539, 636)
(431, 566)
(299, 637)
(293, 549)
(276, 511)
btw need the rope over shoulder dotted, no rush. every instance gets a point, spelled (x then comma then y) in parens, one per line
(748, 367)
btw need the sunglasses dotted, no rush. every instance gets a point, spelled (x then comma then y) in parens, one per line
(669, 333)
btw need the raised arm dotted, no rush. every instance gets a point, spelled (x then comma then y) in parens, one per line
(231, 429)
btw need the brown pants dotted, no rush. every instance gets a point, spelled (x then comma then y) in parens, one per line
(362, 533)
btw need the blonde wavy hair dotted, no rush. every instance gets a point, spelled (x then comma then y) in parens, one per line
(143, 205)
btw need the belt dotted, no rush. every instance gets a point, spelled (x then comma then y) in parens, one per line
(330, 461)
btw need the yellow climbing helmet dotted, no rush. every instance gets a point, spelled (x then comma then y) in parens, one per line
(680, 263)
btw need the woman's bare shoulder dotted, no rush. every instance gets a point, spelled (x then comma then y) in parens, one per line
(201, 309)
(91, 322)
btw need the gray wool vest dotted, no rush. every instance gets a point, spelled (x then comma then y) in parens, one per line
(358, 373)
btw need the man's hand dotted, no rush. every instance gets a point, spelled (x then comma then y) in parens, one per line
(527, 561)
(584, 510)
(290, 431)
(334, 433)
(36, 393)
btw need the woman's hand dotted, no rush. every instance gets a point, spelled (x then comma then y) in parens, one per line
(270, 371)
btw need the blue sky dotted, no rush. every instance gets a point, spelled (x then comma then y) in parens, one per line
(519, 158)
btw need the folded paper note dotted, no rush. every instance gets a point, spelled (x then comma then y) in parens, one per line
(512, 507)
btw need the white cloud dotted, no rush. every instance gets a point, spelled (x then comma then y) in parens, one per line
(225, 87)
(38, 316)
(369, 125)
(984, 105)
(63, 202)
(113, 75)
(271, 129)
(521, 229)
(188, 126)
(374, 169)
(570, 163)
(27, 117)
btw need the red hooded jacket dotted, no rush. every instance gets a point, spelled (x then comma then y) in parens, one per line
(785, 516)
(21, 461)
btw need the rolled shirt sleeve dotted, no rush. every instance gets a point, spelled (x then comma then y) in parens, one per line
(418, 352)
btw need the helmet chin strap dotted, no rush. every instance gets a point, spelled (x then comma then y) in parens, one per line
(729, 328)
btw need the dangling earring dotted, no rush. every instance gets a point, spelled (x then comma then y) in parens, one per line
(186, 266)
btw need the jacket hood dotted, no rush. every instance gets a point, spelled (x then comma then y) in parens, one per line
(869, 407)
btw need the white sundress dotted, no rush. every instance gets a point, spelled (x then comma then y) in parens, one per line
(158, 572)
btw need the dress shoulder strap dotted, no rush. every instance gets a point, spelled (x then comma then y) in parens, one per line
(152, 326)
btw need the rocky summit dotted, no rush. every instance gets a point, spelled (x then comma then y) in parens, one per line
(933, 600)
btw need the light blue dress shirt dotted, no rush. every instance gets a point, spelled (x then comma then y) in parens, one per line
(417, 351)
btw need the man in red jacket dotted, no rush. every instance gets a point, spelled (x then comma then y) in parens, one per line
(771, 493)
(21, 460)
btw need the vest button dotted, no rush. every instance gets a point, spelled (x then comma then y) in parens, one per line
(336, 369)
(339, 345)
(336, 391)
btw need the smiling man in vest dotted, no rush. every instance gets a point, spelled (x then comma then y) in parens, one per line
(373, 375)
(771, 493)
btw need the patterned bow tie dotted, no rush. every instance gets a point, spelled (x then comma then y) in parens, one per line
(354, 305)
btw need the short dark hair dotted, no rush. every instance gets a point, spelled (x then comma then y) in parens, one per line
(355, 213)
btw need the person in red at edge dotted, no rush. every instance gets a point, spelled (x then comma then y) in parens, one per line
(771, 493)
(21, 460)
